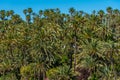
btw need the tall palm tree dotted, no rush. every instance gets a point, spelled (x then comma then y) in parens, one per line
(109, 16)
(2, 14)
(72, 11)
(109, 10)
(41, 13)
(101, 14)
(29, 10)
(11, 12)
(25, 11)
(28, 18)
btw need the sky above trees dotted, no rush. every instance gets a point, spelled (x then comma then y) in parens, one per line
(63, 5)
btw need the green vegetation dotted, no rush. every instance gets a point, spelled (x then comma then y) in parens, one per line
(57, 46)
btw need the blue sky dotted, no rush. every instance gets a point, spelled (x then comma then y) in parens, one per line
(63, 5)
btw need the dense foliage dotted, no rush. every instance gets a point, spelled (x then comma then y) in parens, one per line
(58, 46)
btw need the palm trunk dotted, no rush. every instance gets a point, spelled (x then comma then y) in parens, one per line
(75, 49)
(112, 65)
(75, 55)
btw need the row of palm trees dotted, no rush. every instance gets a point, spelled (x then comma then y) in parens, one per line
(58, 46)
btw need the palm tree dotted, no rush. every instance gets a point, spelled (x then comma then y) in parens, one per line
(116, 12)
(25, 11)
(41, 13)
(72, 11)
(101, 14)
(109, 10)
(29, 10)
(11, 12)
(16, 18)
(28, 18)
(109, 16)
(2, 14)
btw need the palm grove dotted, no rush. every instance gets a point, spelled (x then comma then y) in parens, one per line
(59, 46)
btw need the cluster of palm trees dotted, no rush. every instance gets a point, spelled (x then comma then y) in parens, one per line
(58, 46)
